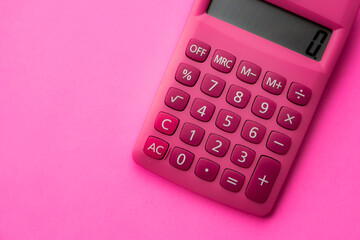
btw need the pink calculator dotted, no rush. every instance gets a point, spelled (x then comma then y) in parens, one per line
(239, 94)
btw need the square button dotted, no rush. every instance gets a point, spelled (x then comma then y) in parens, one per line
(227, 121)
(181, 158)
(274, 83)
(223, 61)
(166, 123)
(202, 110)
(263, 107)
(197, 50)
(155, 148)
(238, 96)
(299, 94)
(278, 143)
(212, 85)
(248, 72)
(253, 132)
(217, 145)
(187, 74)
(289, 118)
(206, 169)
(242, 156)
(192, 134)
(232, 180)
(176, 99)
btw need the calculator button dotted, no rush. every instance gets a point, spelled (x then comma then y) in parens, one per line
(248, 72)
(187, 74)
(289, 118)
(212, 85)
(197, 50)
(232, 180)
(253, 132)
(274, 83)
(263, 107)
(263, 179)
(202, 110)
(181, 158)
(223, 61)
(217, 145)
(299, 94)
(278, 143)
(166, 123)
(227, 121)
(192, 134)
(176, 99)
(238, 96)
(242, 156)
(206, 169)
(155, 148)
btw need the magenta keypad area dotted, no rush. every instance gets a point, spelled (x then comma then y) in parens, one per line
(228, 127)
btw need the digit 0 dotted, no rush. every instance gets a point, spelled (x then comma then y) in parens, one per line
(314, 48)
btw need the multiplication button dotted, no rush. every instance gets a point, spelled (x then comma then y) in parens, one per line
(263, 179)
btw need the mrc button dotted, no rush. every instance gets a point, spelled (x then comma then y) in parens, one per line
(223, 61)
(197, 50)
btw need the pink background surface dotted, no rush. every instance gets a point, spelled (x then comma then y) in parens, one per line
(76, 81)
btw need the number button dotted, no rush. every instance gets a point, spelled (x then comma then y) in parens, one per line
(206, 169)
(217, 145)
(274, 83)
(263, 107)
(289, 118)
(242, 156)
(299, 94)
(181, 159)
(232, 180)
(187, 74)
(278, 143)
(202, 110)
(212, 85)
(238, 96)
(253, 132)
(263, 179)
(155, 148)
(248, 72)
(176, 99)
(227, 121)
(192, 134)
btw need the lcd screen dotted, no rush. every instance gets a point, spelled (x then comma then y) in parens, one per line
(275, 24)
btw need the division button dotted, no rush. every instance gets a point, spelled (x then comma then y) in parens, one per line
(263, 179)
(299, 94)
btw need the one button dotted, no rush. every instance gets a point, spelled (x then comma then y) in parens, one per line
(248, 72)
(166, 123)
(223, 61)
(253, 132)
(232, 180)
(274, 83)
(289, 118)
(212, 85)
(155, 148)
(192, 134)
(217, 145)
(227, 121)
(299, 94)
(197, 50)
(187, 74)
(206, 169)
(278, 143)
(242, 156)
(202, 110)
(263, 107)
(238, 96)
(181, 158)
(263, 179)
(176, 99)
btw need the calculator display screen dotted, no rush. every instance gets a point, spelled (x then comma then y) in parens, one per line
(275, 24)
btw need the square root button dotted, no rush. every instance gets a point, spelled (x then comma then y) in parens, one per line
(263, 179)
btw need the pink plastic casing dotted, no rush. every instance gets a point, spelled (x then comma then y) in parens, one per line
(336, 15)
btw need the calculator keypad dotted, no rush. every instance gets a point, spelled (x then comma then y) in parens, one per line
(217, 87)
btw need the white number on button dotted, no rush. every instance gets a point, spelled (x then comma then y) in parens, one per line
(243, 156)
(227, 119)
(181, 159)
(202, 111)
(238, 97)
(215, 149)
(253, 133)
(215, 83)
(265, 107)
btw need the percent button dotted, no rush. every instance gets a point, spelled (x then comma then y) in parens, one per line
(187, 74)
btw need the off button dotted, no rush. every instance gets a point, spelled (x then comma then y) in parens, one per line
(197, 50)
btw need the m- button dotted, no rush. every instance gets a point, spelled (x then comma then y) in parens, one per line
(274, 83)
